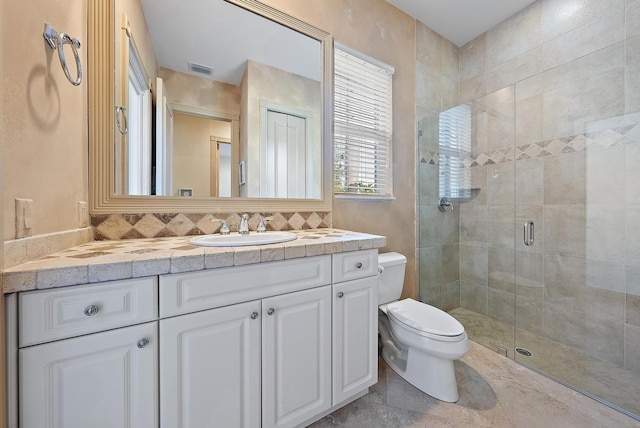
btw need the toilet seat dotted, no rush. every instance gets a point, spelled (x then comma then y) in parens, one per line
(425, 320)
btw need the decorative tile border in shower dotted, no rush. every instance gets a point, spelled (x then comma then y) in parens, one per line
(573, 144)
(132, 226)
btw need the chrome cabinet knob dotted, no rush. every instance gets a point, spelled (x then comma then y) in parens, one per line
(340, 295)
(359, 265)
(254, 315)
(271, 311)
(143, 342)
(91, 310)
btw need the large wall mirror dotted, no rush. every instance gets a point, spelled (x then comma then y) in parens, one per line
(207, 106)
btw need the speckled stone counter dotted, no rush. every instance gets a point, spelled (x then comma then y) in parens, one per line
(133, 258)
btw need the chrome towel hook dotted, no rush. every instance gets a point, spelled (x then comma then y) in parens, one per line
(122, 111)
(58, 40)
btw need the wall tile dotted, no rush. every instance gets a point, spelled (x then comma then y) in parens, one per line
(501, 305)
(473, 264)
(473, 69)
(501, 273)
(564, 282)
(632, 172)
(565, 230)
(530, 182)
(564, 179)
(633, 18)
(560, 17)
(474, 297)
(632, 101)
(479, 182)
(529, 274)
(500, 119)
(514, 36)
(605, 233)
(529, 313)
(632, 310)
(578, 95)
(500, 226)
(436, 227)
(431, 264)
(450, 263)
(501, 184)
(473, 224)
(632, 349)
(427, 184)
(604, 31)
(605, 179)
(450, 296)
(578, 329)
(632, 239)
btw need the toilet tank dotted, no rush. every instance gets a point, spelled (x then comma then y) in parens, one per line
(391, 279)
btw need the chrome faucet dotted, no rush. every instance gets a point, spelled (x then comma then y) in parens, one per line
(262, 227)
(243, 228)
(224, 226)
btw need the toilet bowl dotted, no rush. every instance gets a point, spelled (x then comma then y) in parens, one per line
(419, 342)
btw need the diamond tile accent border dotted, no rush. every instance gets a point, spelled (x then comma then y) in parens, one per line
(606, 138)
(132, 226)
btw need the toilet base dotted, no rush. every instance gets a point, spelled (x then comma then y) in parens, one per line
(431, 375)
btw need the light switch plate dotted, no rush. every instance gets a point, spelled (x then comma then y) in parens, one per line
(83, 214)
(24, 217)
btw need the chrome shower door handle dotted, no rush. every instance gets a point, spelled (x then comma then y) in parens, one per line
(528, 233)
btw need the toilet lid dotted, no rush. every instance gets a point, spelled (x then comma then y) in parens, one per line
(423, 317)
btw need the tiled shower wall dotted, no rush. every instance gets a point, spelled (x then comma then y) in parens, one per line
(556, 97)
(438, 247)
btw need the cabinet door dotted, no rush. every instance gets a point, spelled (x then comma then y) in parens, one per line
(355, 337)
(210, 368)
(103, 380)
(296, 359)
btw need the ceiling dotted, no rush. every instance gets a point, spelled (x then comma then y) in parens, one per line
(460, 21)
(222, 36)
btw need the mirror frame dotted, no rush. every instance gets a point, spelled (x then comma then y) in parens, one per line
(102, 198)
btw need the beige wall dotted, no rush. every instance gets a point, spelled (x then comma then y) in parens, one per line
(378, 29)
(44, 137)
(194, 91)
(46, 132)
(192, 166)
(3, 382)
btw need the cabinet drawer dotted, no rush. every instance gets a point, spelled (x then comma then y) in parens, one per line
(190, 292)
(354, 265)
(65, 312)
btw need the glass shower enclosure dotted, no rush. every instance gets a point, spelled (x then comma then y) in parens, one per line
(539, 255)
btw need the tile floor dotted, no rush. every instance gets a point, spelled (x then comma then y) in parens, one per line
(495, 392)
(606, 380)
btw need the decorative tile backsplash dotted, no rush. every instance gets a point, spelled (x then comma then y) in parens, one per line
(576, 143)
(132, 226)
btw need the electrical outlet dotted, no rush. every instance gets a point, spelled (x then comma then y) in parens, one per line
(24, 217)
(83, 215)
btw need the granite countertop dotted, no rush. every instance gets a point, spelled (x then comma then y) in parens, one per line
(133, 258)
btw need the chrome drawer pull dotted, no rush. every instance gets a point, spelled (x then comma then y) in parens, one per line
(340, 295)
(254, 315)
(359, 265)
(143, 342)
(91, 310)
(271, 311)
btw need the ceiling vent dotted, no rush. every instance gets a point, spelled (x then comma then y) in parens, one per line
(200, 69)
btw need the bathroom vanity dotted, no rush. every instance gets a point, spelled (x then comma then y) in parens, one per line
(275, 343)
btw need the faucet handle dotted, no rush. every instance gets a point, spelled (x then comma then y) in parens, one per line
(224, 227)
(262, 227)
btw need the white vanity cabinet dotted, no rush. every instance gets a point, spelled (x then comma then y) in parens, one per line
(277, 344)
(355, 323)
(265, 362)
(105, 379)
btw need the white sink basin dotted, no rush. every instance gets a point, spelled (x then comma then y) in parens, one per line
(237, 240)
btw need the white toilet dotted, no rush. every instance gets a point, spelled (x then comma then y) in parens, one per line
(419, 342)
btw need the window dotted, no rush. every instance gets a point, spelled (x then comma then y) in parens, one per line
(455, 144)
(362, 125)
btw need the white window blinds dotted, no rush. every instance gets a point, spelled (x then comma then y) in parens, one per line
(455, 145)
(362, 124)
